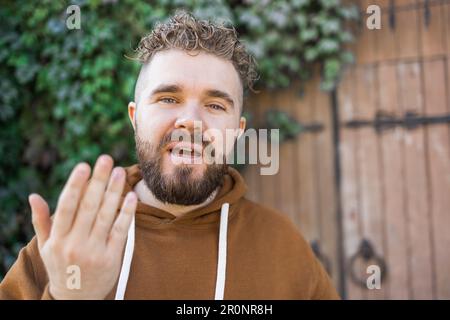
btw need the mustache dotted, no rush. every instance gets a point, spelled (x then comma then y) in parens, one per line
(194, 137)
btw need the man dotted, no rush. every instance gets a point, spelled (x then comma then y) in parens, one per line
(173, 226)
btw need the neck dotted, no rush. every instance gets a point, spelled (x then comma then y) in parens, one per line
(146, 196)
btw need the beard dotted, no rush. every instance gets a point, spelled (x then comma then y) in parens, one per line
(180, 187)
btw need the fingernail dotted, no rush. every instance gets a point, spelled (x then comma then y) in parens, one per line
(83, 168)
(104, 158)
(131, 197)
(117, 173)
(29, 198)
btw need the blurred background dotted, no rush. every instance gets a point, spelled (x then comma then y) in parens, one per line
(363, 116)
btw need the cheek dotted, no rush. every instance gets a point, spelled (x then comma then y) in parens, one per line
(152, 126)
(223, 134)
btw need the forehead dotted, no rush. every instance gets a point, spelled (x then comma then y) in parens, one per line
(195, 73)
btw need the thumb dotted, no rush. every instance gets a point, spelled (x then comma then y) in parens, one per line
(40, 217)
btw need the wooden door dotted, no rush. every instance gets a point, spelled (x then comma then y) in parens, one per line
(373, 186)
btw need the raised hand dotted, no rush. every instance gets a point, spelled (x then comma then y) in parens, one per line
(85, 234)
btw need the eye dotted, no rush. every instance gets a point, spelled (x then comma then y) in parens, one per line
(216, 107)
(168, 100)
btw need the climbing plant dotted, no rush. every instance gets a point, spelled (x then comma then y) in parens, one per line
(63, 92)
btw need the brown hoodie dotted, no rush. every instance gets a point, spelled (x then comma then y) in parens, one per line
(177, 258)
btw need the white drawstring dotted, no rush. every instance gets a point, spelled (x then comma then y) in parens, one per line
(126, 264)
(221, 260)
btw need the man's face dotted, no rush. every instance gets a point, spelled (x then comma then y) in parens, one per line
(179, 93)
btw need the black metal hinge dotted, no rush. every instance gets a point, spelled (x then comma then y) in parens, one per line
(392, 14)
(427, 13)
(384, 121)
(313, 127)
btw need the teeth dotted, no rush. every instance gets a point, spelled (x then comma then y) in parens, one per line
(182, 150)
(185, 151)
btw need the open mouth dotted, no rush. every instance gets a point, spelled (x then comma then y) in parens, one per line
(186, 151)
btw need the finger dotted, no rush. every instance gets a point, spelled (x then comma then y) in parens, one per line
(69, 199)
(119, 231)
(92, 197)
(108, 209)
(40, 217)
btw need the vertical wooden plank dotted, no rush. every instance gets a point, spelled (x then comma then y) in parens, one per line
(306, 179)
(404, 3)
(385, 37)
(368, 158)
(366, 39)
(381, 3)
(300, 217)
(251, 181)
(351, 219)
(286, 174)
(250, 175)
(251, 171)
(326, 190)
(432, 35)
(277, 178)
(446, 13)
(396, 257)
(268, 196)
(406, 30)
(416, 186)
(439, 168)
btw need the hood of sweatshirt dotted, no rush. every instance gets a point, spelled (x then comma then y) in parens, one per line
(232, 189)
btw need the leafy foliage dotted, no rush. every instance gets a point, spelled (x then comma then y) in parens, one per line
(289, 38)
(288, 126)
(63, 93)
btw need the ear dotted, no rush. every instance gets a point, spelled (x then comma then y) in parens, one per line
(242, 126)
(132, 113)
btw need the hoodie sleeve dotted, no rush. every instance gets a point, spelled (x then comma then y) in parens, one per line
(27, 278)
(324, 288)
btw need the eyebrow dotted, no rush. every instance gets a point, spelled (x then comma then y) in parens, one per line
(175, 88)
(220, 94)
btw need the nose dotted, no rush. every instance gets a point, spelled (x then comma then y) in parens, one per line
(189, 119)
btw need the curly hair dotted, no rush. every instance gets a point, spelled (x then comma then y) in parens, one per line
(184, 31)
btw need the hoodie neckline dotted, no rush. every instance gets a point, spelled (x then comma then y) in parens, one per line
(232, 189)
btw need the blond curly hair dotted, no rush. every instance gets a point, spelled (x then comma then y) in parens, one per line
(186, 32)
